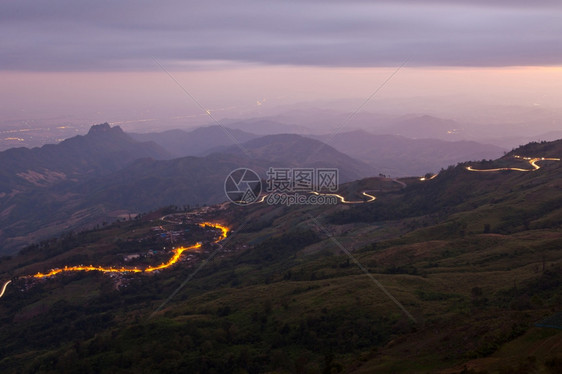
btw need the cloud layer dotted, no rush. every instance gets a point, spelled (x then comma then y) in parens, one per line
(65, 35)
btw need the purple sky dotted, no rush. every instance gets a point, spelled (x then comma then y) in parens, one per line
(61, 56)
(65, 35)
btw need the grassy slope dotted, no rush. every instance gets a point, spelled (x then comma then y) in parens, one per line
(295, 303)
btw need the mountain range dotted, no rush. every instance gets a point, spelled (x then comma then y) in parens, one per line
(103, 150)
(400, 156)
(106, 174)
(198, 142)
(396, 155)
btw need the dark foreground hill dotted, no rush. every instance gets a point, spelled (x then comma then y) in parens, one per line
(461, 269)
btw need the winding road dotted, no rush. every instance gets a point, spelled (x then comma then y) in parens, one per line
(343, 200)
(531, 160)
(177, 253)
(338, 196)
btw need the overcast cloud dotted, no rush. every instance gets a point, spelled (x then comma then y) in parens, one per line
(65, 35)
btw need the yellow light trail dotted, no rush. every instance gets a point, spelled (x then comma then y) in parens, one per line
(428, 179)
(224, 229)
(86, 268)
(177, 253)
(340, 197)
(4, 287)
(531, 160)
(175, 258)
(343, 200)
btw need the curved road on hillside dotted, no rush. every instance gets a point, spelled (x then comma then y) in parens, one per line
(531, 160)
(4, 287)
(344, 201)
(177, 253)
(370, 197)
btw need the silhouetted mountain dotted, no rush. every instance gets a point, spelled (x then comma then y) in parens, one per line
(400, 156)
(149, 184)
(198, 142)
(103, 150)
(36, 185)
(294, 150)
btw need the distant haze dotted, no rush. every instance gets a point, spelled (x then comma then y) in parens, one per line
(266, 90)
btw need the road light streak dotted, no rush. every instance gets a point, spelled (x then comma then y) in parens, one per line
(339, 197)
(177, 254)
(4, 287)
(175, 258)
(344, 201)
(531, 160)
(428, 179)
(224, 229)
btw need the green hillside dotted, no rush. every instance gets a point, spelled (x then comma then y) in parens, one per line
(460, 268)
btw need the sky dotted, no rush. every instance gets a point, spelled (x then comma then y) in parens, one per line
(131, 60)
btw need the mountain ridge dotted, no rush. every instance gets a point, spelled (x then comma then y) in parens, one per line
(104, 149)
(198, 142)
(142, 184)
(401, 156)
